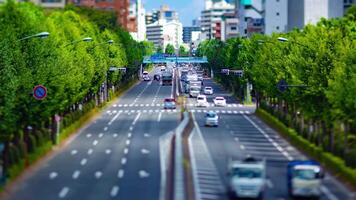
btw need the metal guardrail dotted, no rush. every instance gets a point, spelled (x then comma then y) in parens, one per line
(179, 187)
(172, 162)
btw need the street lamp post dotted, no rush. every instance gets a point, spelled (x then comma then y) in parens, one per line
(105, 84)
(29, 128)
(86, 39)
(38, 35)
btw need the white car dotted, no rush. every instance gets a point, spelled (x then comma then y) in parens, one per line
(208, 90)
(211, 119)
(202, 101)
(146, 76)
(220, 101)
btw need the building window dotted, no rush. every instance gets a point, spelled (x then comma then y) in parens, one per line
(277, 13)
(277, 27)
(233, 28)
(277, 1)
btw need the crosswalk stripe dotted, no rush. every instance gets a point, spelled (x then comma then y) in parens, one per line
(241, 112)
(247, 112)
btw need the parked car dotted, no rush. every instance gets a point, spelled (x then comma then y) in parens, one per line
(220, 101)
(169, 103)
(211, 119)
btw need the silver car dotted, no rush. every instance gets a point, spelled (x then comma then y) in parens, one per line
(211, 119)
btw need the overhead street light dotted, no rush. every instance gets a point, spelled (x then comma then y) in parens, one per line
(38, 35)
(282, 39)
(86, 39)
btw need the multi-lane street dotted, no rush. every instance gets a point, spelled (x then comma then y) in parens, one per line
(117, 155)
(114, 157)
(241, 133)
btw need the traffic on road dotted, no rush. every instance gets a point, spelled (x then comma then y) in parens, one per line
(235, 155)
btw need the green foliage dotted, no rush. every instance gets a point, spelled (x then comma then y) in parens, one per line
(169, 49)
(352, 11)
(73, 71)
(183, 51)
(159, 49)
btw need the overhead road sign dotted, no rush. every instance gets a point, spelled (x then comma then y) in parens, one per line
(162, 59)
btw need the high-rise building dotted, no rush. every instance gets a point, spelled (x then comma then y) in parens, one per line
(137, 20)
(196, 22)
(212, 18)
(303, 12)
(166, 29)
(250, 15)
(163, 32)
(121, 7)
(275, 16)
(152, 17)
(190, 33)
(230, 26)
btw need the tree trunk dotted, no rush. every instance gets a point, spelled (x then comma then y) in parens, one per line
(6, 159)
(346, 132)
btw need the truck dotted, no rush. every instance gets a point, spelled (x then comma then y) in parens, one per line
(304, 178)
(247, 178)
(167, 78)
(191, 83)
(194, 91)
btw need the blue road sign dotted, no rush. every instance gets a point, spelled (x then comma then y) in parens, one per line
(39, 92)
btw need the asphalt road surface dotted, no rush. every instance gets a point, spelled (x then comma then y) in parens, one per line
(117, 156)
(239, 134)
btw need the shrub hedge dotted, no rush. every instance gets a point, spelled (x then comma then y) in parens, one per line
(333, 163)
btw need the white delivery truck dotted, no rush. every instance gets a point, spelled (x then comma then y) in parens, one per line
(247, 178)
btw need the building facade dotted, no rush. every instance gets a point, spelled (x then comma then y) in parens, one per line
(212, 18)
(137, 20)
(251, 17)
(121, 7)
(303, 12)
(163, 32)
(189, 32)
(275, 16)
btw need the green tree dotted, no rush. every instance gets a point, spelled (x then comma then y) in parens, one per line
(159, 49)
(169, 49)
(183, 51)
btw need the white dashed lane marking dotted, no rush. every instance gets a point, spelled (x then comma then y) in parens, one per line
(114, 191)
(83, 161)
(98, 174)
(120, 173)
(123, 161)
(53, 175)
(76, 174)
(63, 193)
(73, 152)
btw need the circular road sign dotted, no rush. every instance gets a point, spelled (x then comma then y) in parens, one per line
(39, 92)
